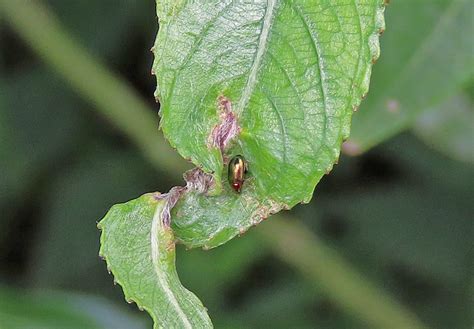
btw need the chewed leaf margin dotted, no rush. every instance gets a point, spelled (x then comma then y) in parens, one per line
(212, 159)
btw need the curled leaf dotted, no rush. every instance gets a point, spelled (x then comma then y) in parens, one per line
(139, 249)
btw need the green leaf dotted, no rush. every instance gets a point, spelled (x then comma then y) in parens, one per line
(26, 312)
(139, 248)
(274, 81)
(56, 310)
(427, 58)
(449, 128)
(200, 220)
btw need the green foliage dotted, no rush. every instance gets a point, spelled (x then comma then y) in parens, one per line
(449, 127)
(139, 248)
(293, 90)
(290, 92)
(204, 221)
(406, 224)
(427, 58)
(59, 311)
(244, 84)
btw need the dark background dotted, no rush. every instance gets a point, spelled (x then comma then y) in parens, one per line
(401, 213)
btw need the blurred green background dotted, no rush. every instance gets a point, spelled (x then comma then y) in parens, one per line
(400, 213)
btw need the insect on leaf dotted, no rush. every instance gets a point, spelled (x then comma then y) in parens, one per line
(275, 81)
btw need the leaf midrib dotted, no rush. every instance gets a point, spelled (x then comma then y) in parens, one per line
(155, 255)
(257, 61)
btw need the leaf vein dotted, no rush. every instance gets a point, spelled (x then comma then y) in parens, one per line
(261, 48)
(317, 51)
(155, 253)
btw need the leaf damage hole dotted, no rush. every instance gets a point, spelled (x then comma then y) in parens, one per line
(196, 180)
(170, 201)
(227, 128)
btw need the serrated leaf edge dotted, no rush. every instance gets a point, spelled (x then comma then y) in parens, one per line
(156, 224)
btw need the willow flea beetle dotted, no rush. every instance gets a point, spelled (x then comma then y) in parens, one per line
(237, 171)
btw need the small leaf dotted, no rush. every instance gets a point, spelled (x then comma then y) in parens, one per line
(140, 251)
(200, 220)
(274, 81)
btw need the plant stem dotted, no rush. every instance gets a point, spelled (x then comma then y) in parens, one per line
(110, 94)
(292, 242)
(289, 239)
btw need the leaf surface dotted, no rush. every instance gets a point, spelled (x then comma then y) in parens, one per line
(140, 252)
(290, 74)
